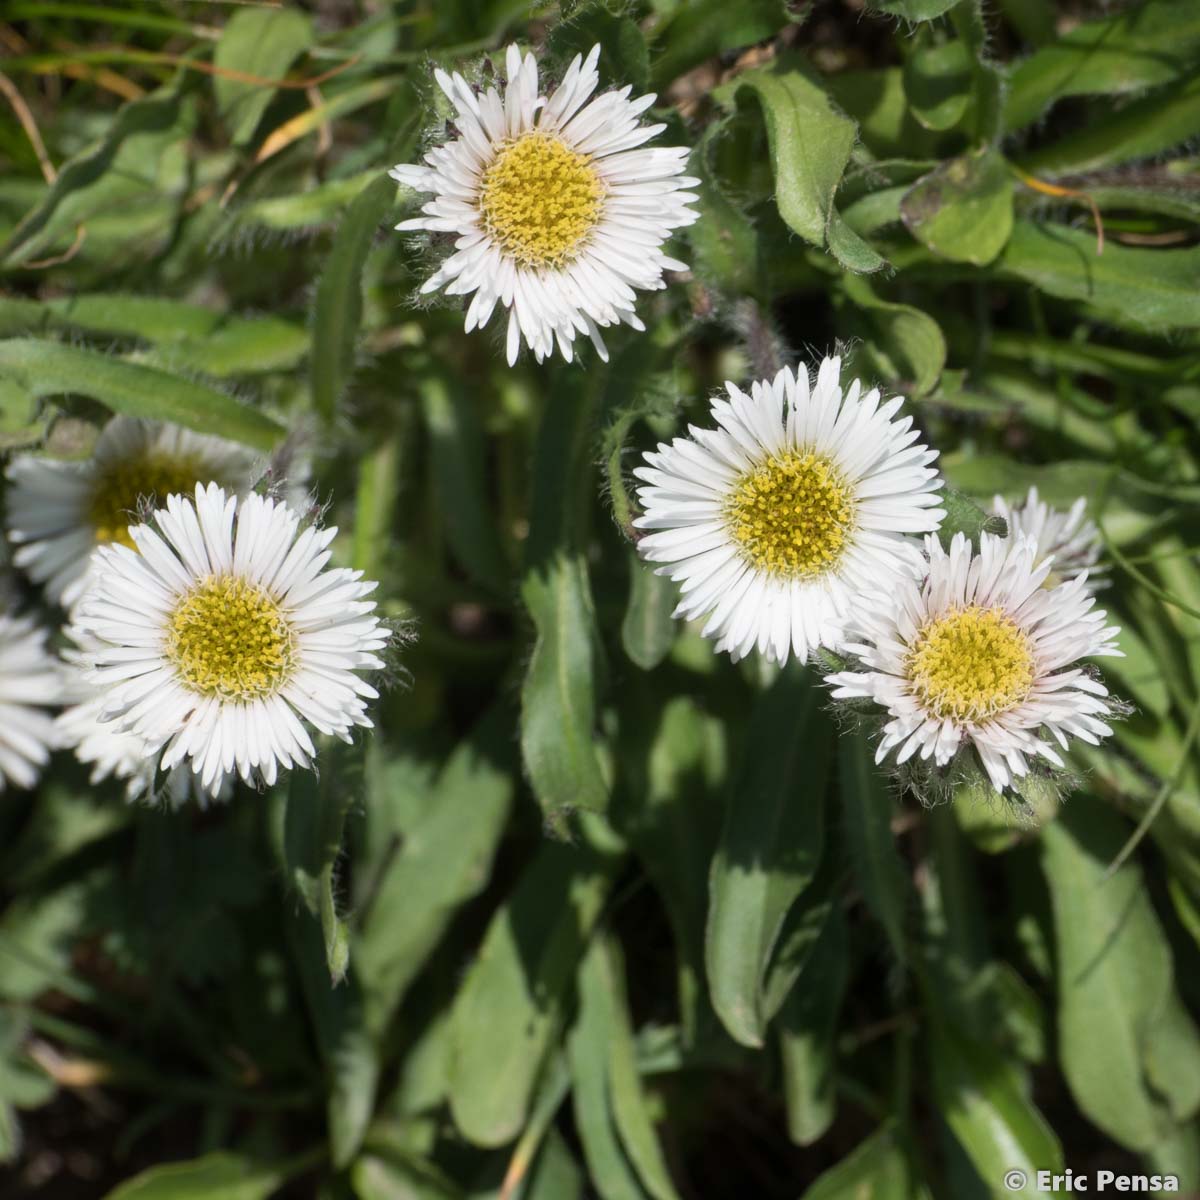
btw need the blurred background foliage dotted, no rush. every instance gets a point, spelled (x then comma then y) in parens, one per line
(594, 912)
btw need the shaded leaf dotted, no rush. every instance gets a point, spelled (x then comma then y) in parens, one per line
(52, 369)
(867, 827)
(807, 1029)
(1114, 974)
(963, 210)
(810, 144)
(218, 1176)
(513, 1000)
(980, 1096)
(262, 42)
(770, 848)
(1130, 286)
(1142, 46)
(444, 860)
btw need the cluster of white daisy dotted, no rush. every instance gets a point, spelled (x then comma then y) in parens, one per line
(205, 632)
(807, 521)
(213, 632)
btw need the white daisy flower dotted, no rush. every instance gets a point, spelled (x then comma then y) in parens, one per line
(30, 681)
(777, 521)
(60, 511)
(558, 213)
(223, 634)
(110, 751)
(1067, 537)
(981, 654)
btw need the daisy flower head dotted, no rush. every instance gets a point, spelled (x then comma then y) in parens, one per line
(1067, 537)
(224, 636)
(110, 751)
(60, 511)
(982, 655)
(30, 682)
(558, 209)
(804, 497)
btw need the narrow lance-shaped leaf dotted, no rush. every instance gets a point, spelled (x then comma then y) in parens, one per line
(770, 848)
(1139, 47)
(558, 696)
(879, 1169)
(1130, 286)
(442, 862)
(52, 369)
(1114, 973)
(155, 113)
(513, 1000)
(648, 628)
(807, 1029)
(349, 1056)
(458, 464)
(608, 1165)
(217, 1176)
(604, 970)
(980, 1095)
(261, 42)
(867, 829)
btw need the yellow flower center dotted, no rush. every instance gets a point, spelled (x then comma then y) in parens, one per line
(121, 486)
(971, 664)
(791, 515)
(228, 638)
(540, 199)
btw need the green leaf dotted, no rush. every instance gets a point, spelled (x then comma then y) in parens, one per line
(623, 51)
(513, 1001)
(558, 699)
(807, 1029)
(867, 828)
(1173, 1059)
(338, 307)
(218, 1176)
(444, 860)
(964, 516)
(937, 82)
(1142, 46)
(1130, 286)
(770, 848)
(255, 41)
(904, 345)
(1114, 973)
(810, 144)
(349, 1055)
(878, 1169)
(150, 116)
(184, 335)
(963, 210)
(1140, 129)
(458, 464)
(724, 240)
(48, 369)
(555, 1175)
(36, 937)
(703, 29)
(672, 773)
(603, 971)
(309, 817)
(396, 1176)
(981, 1097)
(609, 1167)
(648, 628)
